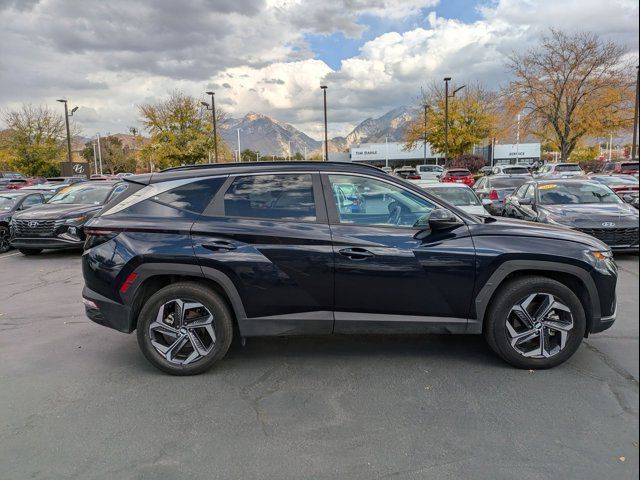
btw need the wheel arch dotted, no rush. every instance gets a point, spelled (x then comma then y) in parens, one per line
(153, 277)
(574, 277)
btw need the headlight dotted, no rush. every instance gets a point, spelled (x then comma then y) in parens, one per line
(602, 260)
(79, 219)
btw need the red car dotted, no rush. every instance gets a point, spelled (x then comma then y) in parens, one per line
(458, 175)
(621, 184)
(623, 168)
(18, 183)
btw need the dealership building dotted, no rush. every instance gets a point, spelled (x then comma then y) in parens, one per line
(395, 155)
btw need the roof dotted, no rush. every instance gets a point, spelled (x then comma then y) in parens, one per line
(446, 185)
(206, 170)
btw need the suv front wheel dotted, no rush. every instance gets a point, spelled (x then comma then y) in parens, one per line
(535, 323)
(184, 328)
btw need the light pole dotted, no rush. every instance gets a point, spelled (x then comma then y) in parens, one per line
(95, 158)
(518, 141)
(99, 153)
(446, 114)
(213, 122)
(239, 154)
(66, 120)
(326, 137)
(634, 145)
(425, 134)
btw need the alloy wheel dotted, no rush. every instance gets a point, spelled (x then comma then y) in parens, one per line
(183, 331)
(538, 326)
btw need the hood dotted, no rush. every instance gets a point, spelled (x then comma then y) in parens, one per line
(621, 215)
(55, 212)
(522, 228)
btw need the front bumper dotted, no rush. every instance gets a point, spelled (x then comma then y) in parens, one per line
(106, 312)
(604, 323)
(54, 243)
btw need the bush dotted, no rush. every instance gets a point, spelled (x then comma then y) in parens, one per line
(591, 165)
(471, 162)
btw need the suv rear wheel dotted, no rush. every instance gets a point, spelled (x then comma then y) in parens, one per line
(184, 328)
(535, 323)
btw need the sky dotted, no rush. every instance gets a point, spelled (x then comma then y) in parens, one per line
(271, 56)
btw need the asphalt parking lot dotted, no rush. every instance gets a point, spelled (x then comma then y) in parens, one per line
(79, 401)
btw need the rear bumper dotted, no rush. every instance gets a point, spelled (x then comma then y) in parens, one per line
(106, 312)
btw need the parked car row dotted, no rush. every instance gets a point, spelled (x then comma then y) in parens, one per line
(51, 218)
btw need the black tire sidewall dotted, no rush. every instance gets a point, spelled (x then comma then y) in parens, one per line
(496, 332)
(222, 324)
(5, 230)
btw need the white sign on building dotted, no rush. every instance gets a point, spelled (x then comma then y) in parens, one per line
(368, 152)
(514, 153)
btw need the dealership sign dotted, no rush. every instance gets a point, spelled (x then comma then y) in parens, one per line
(513, 150)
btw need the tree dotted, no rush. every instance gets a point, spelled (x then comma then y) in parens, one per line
(248, 155)
(571, 87)
(181, 132)
(116, 158)
(473, 163)
(35, 140)
(472, 118)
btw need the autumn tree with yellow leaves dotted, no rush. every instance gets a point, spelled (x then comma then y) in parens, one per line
(571, 87)
(472, 118)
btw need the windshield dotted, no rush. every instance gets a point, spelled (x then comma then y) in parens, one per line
(508, 182)
(429, 168)
(459, 173)
(406, 173)
(576, 193)
(516, 171)
(630, 166)
(569, 167)
(82, 195)
(459, 197)
(7, 202)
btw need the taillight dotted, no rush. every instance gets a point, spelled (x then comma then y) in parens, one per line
(97, 237)
(493, 195)
(415, 177)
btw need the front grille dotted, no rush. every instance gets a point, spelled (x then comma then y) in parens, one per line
(38, 228)
(614, 236)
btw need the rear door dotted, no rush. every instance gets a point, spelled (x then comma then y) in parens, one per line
(268, 234)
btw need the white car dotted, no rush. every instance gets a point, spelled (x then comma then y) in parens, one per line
(510, 170)
(559, 170)
(459, 195)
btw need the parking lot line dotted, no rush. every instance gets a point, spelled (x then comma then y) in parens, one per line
(9, 255)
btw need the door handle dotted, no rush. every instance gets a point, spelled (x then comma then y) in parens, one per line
(356, 253)
(220, 246)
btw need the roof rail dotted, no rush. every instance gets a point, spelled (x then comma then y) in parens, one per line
(245, 164)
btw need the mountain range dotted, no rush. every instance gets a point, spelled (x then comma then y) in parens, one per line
(269, 136)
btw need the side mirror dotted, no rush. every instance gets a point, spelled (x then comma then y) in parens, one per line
(439, 219)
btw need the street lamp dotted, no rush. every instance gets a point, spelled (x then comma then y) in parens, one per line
(326, 137)
(213, 121)
(446, 113)
(66, 119)
(426, 107)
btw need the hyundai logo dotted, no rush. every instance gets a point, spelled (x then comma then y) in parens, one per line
(33, 224)
(608, 224)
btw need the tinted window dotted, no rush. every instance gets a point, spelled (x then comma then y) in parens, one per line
(193, 197)
(633, 166)
(276, 197)
(516, 171)
(497, 182)
(375, 202)
(459, 173)
(568, 168)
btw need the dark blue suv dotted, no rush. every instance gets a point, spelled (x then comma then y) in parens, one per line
(193, 256)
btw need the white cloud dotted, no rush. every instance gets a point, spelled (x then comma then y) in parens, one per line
(109, 57)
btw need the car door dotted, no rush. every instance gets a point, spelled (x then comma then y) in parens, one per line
(267, 233)
(385, 278)
(523, 203)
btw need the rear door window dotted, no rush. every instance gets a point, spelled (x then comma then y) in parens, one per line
(274, 197)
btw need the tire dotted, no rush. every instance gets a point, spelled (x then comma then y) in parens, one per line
(4, 239)
(154, 337)
(511, 324)
(30, 251)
